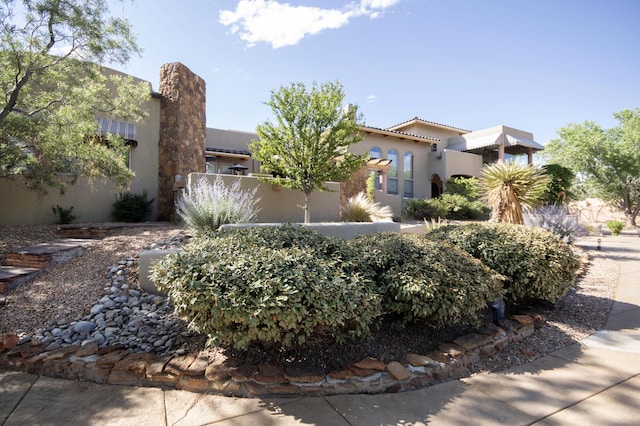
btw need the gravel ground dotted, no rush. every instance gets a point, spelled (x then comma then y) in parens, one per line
(68, 291)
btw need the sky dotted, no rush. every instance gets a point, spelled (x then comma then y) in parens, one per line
(536, 65)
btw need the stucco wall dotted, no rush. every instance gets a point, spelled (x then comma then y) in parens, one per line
(451, 163)
(91, 202)
(283, 205)
(420, 151)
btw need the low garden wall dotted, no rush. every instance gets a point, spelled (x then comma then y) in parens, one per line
(117, 366)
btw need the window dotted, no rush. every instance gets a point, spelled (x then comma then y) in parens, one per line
(434, 147)
(408, 175)
(375, 152)
(392, 179)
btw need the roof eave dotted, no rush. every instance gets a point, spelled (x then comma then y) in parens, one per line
(400, 135)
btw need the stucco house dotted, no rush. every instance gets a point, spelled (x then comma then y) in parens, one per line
(172, 147)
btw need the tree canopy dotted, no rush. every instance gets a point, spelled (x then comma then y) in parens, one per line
(309, 143)
(607, 161)
(51, 75)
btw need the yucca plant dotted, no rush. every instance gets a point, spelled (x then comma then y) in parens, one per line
(511, 188)
(360, 208)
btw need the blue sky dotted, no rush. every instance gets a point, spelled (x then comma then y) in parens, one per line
(534, 65)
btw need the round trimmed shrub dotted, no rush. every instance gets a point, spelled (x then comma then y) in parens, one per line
(424, 280)
(537, 264)
(268, 286)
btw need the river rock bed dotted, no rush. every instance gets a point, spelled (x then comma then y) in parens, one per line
(124, 316)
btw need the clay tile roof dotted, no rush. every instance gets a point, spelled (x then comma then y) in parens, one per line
(416, 118)
(403, 135)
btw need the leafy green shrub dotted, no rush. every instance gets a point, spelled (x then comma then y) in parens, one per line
(423, 280)
(537, 264)
(459, 207)
(209, 205)
(250, 286)
(557, 220)
(361, 209)
(467, 187)
(449, 206)
(131, 207)
(290, 235)
(615, 226)
(424, 209)
(63, 216)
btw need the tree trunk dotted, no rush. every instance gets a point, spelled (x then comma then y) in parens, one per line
(307, 210)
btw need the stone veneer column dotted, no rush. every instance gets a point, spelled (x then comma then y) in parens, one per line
(182, 133)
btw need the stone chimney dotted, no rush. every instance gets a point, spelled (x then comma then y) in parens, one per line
(183, 129)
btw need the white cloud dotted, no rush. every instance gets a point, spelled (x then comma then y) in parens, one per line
(372, 98)
(281, 24)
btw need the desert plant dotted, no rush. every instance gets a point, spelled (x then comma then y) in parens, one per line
(360, 208)
(615, 226)
(131, 207)
(208, 205)
(63, 215)
(537, 264)
(243, 287)
(423, 280)
(557, 220)
(434, 224)
(510, 188)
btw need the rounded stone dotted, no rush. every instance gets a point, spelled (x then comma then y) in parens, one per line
(84, 327)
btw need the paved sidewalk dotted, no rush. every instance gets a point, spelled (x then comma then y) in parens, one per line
(594, 382)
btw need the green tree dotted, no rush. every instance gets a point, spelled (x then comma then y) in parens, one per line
(309, 143)
(559, 190)
(54, 88)
(511, 187)
(465, 186)
(606, 160)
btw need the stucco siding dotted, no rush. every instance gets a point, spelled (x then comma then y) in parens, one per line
(282, 204)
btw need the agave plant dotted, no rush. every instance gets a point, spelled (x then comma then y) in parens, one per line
(511, 188)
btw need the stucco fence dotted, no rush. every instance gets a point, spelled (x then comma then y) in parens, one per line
(278, 204)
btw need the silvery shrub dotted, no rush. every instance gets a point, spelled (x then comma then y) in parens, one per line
(557, 220)
(208, 205)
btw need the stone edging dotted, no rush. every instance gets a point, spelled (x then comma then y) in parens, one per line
(118, 366)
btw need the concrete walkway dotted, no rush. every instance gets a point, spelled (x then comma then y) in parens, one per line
(594, 382)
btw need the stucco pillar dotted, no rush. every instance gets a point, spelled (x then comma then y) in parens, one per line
(501, 153)
(530, 156)
(183, 133)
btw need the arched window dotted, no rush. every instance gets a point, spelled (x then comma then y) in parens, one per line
(392, 179)
(408, 175)
(375, 152)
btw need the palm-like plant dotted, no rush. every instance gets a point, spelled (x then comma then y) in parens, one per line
(510, 188)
